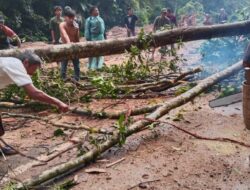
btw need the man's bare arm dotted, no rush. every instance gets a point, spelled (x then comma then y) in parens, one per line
(64, 35)
(78, 36)
(36, 94)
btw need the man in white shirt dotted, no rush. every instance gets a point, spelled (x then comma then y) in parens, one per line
(17, 71)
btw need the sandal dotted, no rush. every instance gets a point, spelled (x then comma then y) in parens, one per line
(8, 151)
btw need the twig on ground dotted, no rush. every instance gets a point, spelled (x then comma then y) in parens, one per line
(65, 126)
(220, 139)
(113, 104)
(116, 162)
(149, 181)
(62, 152)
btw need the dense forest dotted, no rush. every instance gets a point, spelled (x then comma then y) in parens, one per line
(30, 17)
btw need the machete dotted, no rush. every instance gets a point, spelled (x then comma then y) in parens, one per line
(226, 101)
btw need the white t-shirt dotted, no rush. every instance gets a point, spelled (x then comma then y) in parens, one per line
(13, 71)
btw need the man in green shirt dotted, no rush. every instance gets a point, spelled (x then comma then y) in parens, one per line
(161, 23)
(54, 25)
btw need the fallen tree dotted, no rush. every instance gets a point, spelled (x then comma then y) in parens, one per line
(117, 46)
(145, 109)
(162, 110)
(161, 85)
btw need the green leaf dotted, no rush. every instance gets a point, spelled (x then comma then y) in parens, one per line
(59, 132)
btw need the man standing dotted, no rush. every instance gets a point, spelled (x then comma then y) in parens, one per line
(17, 70)
(95, 31)
(223, 18)
(70, 33)
(208, 20)
(54, 25)
(7, 34)
(130, 22)
(172, 18)
(161, 23)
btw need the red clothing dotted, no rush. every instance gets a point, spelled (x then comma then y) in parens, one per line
(173, 19)
(8, 32)
(5, 33)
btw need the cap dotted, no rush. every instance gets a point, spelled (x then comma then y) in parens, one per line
(67, 8)
(164, 10)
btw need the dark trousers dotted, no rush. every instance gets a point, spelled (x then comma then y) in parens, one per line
(131, 32)
(1, 127)
(64, 66)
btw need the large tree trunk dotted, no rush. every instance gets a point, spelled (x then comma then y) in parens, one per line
(116, 46)
(135, 127)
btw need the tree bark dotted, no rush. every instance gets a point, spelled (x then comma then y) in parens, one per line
(116, 46)
(134, 128)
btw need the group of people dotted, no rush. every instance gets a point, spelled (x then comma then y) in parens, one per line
(65, 30)
(222, 18)
(191, 19)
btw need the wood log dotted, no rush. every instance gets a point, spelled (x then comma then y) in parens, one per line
(134, 128)
(116, 46)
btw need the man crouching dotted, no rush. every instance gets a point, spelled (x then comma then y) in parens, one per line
(18, 71)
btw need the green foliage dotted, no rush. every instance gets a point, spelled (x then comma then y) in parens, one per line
(59, 133)
(13, 92)
(122, 128)
(85, 99)
(53, 85)
(67, 185)
(184, 89)
(228, 90)
(10, 186)
(179, 116)
(105, 87)
(192, 7)
(30, 19)
(128, 71)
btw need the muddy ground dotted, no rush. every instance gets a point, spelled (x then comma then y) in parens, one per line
(159, 159)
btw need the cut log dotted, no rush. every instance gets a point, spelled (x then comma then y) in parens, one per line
(117, 46)
(134, 128)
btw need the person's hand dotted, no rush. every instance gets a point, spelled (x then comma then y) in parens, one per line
(63, 107)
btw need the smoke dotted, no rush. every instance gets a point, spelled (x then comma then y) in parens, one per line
(219, 54)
